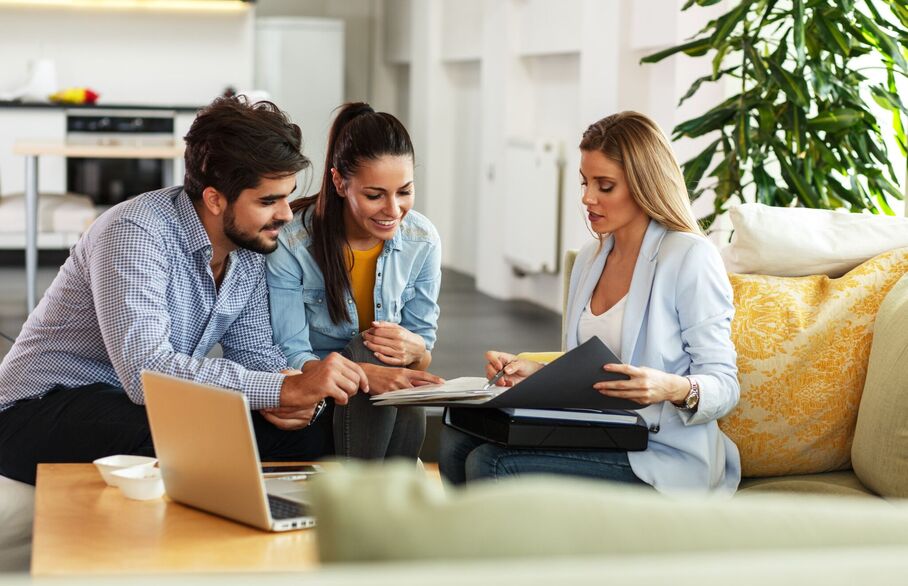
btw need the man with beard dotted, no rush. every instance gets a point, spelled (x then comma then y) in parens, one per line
(156, 283)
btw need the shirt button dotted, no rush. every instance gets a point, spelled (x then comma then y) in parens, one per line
(379, 274)
(378, 305)
(349, 301)
(352, 332)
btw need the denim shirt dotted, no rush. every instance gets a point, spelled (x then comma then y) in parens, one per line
(407, 281)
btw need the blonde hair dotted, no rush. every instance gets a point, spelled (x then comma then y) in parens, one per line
(654, 178)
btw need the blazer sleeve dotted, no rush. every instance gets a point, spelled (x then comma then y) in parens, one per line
(705, 309)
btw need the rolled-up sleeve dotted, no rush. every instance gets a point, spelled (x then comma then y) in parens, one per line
(705, 308)
(129, 270)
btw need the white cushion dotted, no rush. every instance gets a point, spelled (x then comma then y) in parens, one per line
(795, 242)
(57, 212)
(17, 508)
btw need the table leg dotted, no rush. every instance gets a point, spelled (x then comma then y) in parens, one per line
(31, 230)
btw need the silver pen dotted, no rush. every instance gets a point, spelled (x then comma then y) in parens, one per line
(495, 378)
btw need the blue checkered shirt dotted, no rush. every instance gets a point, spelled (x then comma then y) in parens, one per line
(137, 292)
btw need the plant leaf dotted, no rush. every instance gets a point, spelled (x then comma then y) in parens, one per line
(888, 100)
(726, 23)
(799, 40)
(794, 179)
(712, 120)
(832, 35)
(756, 61)
(791, 86)
(880, 39)
(900, 11)
(699, 81)
(845, 194)
(835, 120)
(693, 48)
(695, 168)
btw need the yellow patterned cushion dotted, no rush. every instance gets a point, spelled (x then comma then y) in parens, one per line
(803, 345)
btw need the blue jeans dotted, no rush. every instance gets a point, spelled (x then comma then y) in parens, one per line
(465, 458)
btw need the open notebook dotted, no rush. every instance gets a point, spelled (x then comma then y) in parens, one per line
(566, 383)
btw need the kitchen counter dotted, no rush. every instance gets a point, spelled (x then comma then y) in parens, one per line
(102, 106)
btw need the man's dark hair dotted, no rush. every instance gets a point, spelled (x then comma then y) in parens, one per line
(233, 144)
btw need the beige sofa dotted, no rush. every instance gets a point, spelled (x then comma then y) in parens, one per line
(879, 452)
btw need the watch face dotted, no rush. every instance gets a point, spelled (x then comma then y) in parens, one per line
(692, 401)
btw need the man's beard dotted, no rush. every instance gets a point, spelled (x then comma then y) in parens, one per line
(255, 243)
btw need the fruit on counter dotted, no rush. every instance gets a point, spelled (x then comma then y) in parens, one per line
(74, 95)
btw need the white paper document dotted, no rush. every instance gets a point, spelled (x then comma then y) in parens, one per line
(466, 390)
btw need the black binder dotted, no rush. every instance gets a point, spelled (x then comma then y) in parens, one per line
(501, 427)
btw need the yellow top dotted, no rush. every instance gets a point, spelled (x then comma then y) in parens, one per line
(362, 284)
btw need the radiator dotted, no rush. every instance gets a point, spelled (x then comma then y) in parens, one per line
(532, 222)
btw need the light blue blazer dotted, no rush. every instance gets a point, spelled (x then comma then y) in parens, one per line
(677, 319)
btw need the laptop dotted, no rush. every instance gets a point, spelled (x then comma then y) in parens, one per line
(205, 445)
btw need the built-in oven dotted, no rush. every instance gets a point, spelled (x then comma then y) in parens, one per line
(109, 181)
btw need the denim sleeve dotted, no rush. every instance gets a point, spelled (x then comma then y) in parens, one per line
(420, 314)
(248, 341)
(705, 309)
(288, 311)
(129, 272)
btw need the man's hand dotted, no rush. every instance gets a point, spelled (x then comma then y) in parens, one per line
(335, 377)
(288, 418)
(388, 378)
(395, 345)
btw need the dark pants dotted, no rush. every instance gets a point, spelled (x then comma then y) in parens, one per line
(364, 431)
(86, 423)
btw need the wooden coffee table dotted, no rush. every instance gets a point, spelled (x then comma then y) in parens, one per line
(82, 526)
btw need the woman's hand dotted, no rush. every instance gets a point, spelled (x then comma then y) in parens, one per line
(394, 344)
(646, 385)
(516, 370)
(388, 378)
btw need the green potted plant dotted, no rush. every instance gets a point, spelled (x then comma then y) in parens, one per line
(799, 131)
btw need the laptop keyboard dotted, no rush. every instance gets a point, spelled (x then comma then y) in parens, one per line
(282, 508)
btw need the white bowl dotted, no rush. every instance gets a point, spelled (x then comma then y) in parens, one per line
(106, 466)
(140, 482)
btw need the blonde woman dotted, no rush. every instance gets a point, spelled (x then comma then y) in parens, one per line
(654, 290)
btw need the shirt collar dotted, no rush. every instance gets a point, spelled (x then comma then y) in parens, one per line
(195, 237)
(397, 241)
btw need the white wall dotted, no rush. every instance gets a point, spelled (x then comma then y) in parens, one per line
(131, 56)
(476, 73)
(358, 20)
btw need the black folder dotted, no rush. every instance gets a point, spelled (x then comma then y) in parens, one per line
(564, 384)
(501, 427)
(567, 383)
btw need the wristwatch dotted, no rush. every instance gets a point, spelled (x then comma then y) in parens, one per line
(318, 411)
(692, 400)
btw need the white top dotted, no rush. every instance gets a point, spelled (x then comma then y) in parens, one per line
(606, 326)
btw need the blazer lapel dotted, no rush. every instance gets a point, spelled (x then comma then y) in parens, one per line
(585, 286)
(641, 288)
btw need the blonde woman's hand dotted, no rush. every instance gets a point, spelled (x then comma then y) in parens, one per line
(646, 386)
(515, 369)
(394, 344)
